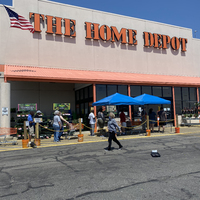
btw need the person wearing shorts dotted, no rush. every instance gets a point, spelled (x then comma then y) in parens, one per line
(152, 119)
(31, 126)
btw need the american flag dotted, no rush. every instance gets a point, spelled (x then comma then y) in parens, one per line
(17, 21)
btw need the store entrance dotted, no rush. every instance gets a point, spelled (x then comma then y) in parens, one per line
(168, 108)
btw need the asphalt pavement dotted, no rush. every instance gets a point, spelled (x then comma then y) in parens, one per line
(71, 140)
(87, 171)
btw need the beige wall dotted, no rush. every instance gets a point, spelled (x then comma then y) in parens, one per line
(44, 94)
(196, 56)
(40, 49)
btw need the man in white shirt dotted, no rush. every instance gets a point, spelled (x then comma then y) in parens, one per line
(91, 117)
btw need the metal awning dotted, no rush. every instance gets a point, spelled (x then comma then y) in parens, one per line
(46, 74)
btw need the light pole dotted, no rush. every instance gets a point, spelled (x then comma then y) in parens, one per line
(195, 33)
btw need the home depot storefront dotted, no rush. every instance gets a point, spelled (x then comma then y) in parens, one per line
(75, 48)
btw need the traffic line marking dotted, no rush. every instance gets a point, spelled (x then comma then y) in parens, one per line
(50, 144)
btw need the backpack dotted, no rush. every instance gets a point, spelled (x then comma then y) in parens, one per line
(32, 144)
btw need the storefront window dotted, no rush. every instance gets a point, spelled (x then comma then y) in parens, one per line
(185, 94)
(86, 92)
(90, 91)
(193, 94)
(123, 89)
(82, 108)
(146, 89)
(135, 90)
(157, 91)
(77, 95)
(199, 92)
(100, 91)
(167, 92)
(178, 107)
(86, 109)
(81, 94)
(186, 104)
(77, 109)
(111, 89)
(177, 91)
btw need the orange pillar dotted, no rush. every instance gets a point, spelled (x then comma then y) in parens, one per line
(95, 108)
(5, 78)
(198, 99)
(174, 106)
(129, 94)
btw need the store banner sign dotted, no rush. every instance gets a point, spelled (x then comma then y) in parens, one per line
(61, 106)
(112, 109)
(95, 31)
(37, 120)
(27, 107)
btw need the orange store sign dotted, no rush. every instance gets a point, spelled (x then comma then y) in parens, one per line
(96, 32)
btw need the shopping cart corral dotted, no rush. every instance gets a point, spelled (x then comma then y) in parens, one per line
(7, 136)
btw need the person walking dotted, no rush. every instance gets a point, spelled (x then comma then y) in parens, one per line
(91, 117)
(163, 117)
(152, 119)
(57, 126)
(112, 125)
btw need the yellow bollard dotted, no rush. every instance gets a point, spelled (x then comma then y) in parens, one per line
(37, 139)
(80, 135)
(25, 131)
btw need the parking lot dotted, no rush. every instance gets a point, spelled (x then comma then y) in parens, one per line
(72, 170)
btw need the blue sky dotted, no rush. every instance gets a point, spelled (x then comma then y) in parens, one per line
(182, 13)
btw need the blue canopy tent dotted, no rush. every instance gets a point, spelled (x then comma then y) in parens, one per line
(117, 99)
(147, 99)
(150, 99)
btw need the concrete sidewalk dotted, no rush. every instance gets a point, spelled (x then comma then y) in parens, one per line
(90, 139)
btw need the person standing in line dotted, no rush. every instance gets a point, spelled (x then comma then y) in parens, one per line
(143, 116)
(31, 126)
(123, 121)
(112, 125)
(62, 128)
(100, 121)
(152, 119)
(56, 125)
(91, 117)
(38, 114)
(163, 117)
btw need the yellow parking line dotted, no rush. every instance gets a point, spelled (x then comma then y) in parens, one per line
(49, 144)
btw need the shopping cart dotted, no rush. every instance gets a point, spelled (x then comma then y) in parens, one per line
(7, 136)
(71, 132)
